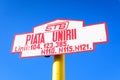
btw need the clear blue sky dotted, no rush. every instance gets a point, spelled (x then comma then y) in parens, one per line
(19, 16)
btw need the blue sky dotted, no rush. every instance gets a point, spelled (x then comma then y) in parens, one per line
(19, 16)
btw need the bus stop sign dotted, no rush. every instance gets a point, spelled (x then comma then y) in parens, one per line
(59, 37)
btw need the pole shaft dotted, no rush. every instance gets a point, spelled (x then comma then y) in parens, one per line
(58, 72)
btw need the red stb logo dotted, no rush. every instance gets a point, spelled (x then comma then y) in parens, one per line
(57, 26)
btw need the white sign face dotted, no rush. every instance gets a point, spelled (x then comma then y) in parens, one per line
(59, 37)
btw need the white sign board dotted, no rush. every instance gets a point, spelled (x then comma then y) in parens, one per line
(59, 37)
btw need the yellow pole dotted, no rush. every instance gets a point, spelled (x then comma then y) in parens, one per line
(58, 72)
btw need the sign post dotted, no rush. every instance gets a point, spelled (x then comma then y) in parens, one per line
(58, 70)
(57, 38)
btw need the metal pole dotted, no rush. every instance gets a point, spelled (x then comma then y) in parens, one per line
(58, 72)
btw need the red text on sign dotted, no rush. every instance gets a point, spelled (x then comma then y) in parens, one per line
(63, 35)
(35, 38)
